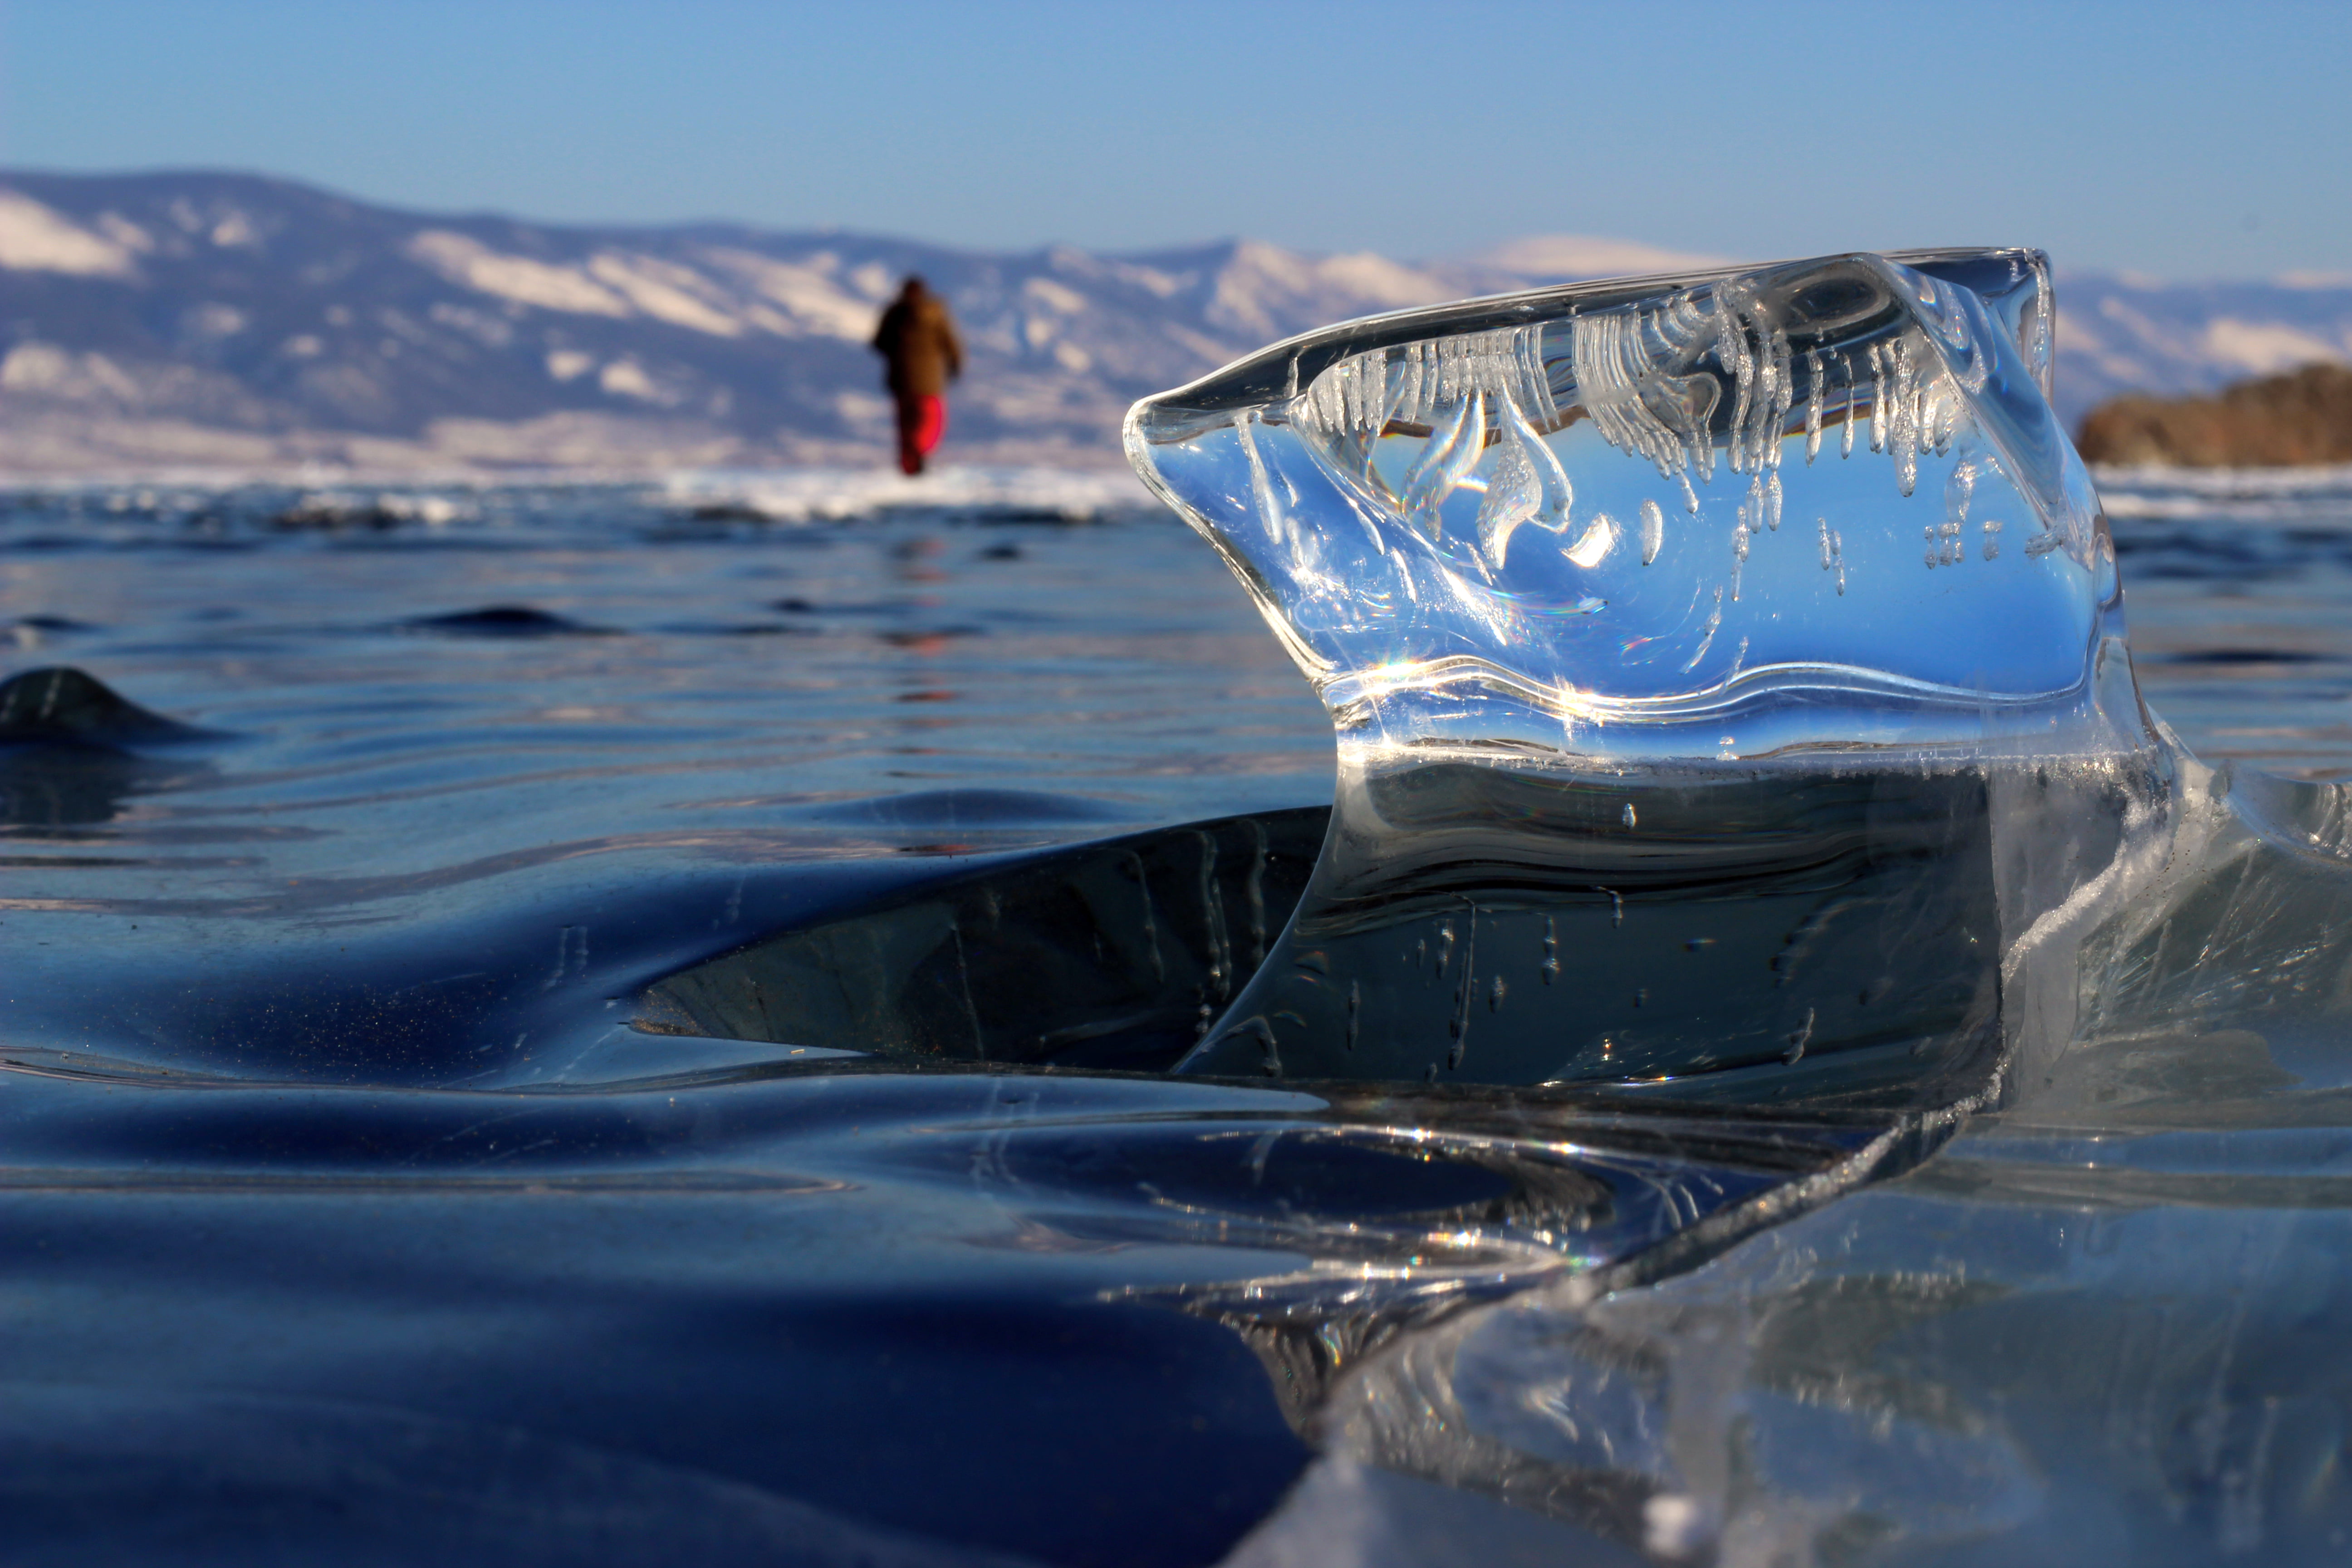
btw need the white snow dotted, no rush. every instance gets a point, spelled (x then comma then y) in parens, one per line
(2080, 341)
(125, 232)
(216, 321)
(665, 291)
(627, 378)
(1054, 295)
(37, 239)
(1379, 283)
(1149, 278)
(54, 371)
(1263, 288)
(799, 494)
(470, 263)
(2264, 347)
(813, 303)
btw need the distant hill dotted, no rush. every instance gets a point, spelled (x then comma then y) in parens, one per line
(2303, 416)
(2119, 335)
(206, 319)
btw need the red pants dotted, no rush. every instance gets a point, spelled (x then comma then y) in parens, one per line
(922, 420)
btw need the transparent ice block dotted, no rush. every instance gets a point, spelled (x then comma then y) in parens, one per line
(1705, 653)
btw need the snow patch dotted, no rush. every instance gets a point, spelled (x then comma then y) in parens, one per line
(125, 232)
(53, 372)
(1054, 295)
(36, 238)
(665, 291)
(214, 320)
(813, 303)
(2264, 347)
(1150, 279)
(1265, 288)
(803, 495)
(627, 378)
(470, 264)
(1377, 280)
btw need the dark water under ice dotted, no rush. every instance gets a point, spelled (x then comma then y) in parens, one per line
(429, 1124)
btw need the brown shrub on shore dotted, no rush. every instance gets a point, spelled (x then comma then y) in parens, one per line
(2303, 416)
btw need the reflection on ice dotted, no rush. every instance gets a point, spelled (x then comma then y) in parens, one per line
(2104, 1324)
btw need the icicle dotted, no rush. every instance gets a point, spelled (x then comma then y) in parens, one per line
(1845, 436)
(1813, 408)
(1957, 490)
(1714, 624)
(1877, 400)
(1411, 374)
(1527, 486)
(1452, 450)
(1905, 437)
(1783, 398)
(1731, 350)
(1654, 531)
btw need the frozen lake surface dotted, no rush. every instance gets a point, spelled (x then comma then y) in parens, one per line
(345, 1207)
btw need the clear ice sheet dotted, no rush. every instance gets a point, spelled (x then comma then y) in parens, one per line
(303, 1232)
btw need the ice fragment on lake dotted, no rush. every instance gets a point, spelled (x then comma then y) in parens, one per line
(1425, 508)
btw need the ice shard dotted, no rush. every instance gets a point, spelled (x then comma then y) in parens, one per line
(1727, 671)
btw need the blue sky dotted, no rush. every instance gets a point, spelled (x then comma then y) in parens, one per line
(2180, 141)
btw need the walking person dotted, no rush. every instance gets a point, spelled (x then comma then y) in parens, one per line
(917, 343)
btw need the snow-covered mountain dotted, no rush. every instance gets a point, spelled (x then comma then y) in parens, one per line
(185, 320)
(2123, 333)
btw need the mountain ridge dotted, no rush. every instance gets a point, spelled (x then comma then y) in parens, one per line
(218, 319)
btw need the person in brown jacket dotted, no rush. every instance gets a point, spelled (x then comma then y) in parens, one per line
(917, 342)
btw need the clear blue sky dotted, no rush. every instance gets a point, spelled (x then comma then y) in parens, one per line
(2181, 141)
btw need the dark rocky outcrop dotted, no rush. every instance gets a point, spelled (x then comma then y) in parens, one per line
(73, 751)
(60, 703)
(504, 621)
(2303, 417)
